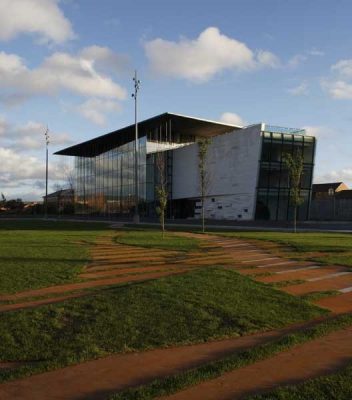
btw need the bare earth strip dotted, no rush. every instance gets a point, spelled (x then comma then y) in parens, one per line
(95, 380)
(80, 286)
(303, 362)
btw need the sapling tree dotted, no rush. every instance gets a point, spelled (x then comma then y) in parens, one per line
(294, 164)
(203, 147)
(161, 189)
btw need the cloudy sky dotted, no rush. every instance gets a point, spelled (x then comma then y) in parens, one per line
(68, 64)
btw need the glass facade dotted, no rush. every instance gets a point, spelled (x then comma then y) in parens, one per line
(105, 184)
(273, 193)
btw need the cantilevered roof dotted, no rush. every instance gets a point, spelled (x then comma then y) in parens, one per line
(180, 124)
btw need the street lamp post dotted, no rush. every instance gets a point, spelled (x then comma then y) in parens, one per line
(46, 134)
(137, 83)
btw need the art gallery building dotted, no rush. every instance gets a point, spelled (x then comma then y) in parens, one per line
(247, 177)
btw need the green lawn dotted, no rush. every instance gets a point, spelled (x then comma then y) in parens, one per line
(336, 386)
(195, 307)
(36, 254)
(152, 238)
(337, 247)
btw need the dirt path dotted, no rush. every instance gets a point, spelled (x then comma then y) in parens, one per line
(309, 360)
(53, 290)
(95, 380)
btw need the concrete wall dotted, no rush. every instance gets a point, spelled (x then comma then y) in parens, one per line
(233, 162)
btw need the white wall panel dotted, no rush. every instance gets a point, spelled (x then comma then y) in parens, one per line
(233, 162)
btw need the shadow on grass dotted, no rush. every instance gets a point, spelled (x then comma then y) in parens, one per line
(30, 260)
(41, 225)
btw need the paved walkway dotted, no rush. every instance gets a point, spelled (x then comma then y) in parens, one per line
(305, 277)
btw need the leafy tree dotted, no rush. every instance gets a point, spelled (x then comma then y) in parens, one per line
(3, 200)
(294, 164)
(14, 204)
(203, 147)
(161, 189)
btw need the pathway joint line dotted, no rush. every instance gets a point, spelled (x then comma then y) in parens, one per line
(298, 269)
(276, 264)
(260, 259)
(335, 275)
(346, 290)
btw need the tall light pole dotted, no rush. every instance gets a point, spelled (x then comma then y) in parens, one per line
(137, 84)
(46, 134)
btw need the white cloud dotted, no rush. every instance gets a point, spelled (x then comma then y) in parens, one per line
(202, 58)
(28, 136)
(108, 60)
(341, 86)
(22, 174)
(95, 110)
(14, 166)
(266, 58)
(341, 175)
(232, 119)
(338, 89)
(296, 60)
(316, 52)
(79, 74)
(343, 67)
(301, 89)
(41, 17)
(319, 131)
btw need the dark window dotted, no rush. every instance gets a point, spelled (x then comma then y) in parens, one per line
(273, 183)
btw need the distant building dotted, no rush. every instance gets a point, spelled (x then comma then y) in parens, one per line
(60, 200)
(324, 190)
(331, 201)
(248, 178)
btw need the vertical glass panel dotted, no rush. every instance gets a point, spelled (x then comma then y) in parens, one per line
(308, 153)
(274, 175)
(283, 205)
(262, 211)
(272, 204)
(105, 183)
(266, 150)
(273, 200)
(276, 151)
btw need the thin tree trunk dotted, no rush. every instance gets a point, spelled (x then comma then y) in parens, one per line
(203, 216)
(295, 219)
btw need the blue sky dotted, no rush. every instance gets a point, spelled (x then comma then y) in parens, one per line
(69, 64)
